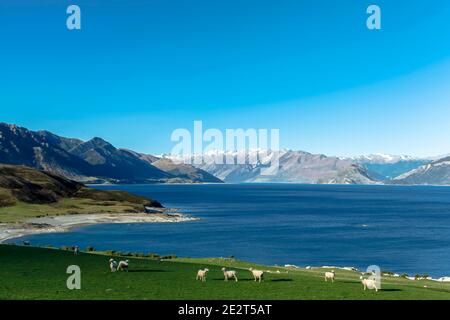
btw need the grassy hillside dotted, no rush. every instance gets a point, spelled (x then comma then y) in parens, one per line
(37, 273)
(26, 193)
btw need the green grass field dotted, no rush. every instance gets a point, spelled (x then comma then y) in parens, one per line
(38, 273)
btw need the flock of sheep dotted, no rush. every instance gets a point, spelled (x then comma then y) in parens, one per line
(370, 284)
(231, 274)
(118, 266)
(258, 275)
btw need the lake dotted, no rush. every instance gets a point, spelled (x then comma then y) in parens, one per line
(405, 229)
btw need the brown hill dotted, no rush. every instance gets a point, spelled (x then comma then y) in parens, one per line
(27, 185)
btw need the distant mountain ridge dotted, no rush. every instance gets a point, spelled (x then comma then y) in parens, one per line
(294, 167)
(92, 161)
(304, 167)
(380, 158)
(385, 166)
(98, 161)
(434, 173)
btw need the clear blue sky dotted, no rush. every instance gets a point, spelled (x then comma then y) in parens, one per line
(139, 69)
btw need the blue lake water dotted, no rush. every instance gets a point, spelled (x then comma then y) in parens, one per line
(399, 228)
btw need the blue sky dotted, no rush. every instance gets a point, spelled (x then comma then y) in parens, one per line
(140, 69)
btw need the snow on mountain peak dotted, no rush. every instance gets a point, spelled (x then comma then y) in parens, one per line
(380, 158)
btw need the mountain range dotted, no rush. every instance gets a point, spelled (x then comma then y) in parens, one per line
(93, 161)
(304, 167)
(98, 161)
(386, 167)
(294, 166)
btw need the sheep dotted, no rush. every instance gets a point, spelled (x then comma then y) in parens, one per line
(229, 274)
(113, 265)
(369, 284)
(201, 274)
(257, 274)
(330, 276)
(123, 265)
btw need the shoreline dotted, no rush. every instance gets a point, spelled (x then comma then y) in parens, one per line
(64, 223)
(445, 279)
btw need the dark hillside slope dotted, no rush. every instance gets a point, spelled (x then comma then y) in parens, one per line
(24, 184)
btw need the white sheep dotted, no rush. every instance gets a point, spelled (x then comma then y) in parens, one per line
(257, 274)
(330, 276)
(113, 265)
(201, 274)
(123, 265)
(369, 283)
(229, 274)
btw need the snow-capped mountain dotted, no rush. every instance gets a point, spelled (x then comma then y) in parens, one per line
(386, 166)
(379, 158)
(434, 173)
(294, 166)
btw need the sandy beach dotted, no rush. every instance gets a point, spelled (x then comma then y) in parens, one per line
(66, 222)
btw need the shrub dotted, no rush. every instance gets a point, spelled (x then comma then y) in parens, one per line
(390, 273)
(6, 199)
(170, 256)
(125, 254)
(90, 249)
